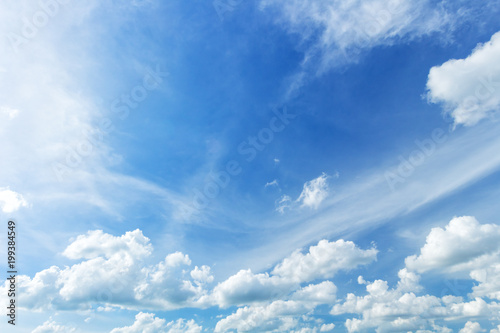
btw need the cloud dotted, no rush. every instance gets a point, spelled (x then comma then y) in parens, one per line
(273, 183)
(284, 203)
(314, 192)
(460, 245)
(8, 111)
(148, 323)
(323, 261)
(397, 310)
(114, 272)
(281, 315)
(471, 327)
(51, 326)
(11, 201)
(336, 32)
(463, 245)
(469, 89)
(97, 243)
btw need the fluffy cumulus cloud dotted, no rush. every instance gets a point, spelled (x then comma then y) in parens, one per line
(469, 88)
(113, 271)
(148, 323)
(50, 326)
(281, 315)
(463, 245)
(394, 310)
(11, 201)
(340, 30)
(323, 261)
(471, 327)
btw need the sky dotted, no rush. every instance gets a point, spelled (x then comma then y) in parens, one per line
(251, 166)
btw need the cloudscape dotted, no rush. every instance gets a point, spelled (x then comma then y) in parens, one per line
(298, 166)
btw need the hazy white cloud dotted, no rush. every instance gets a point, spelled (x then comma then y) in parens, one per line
(148, 323)
(273, 183)
(8, 111)
(11, 201)
(50, 326)
(469, 88)
(340, 30)
(284, 203)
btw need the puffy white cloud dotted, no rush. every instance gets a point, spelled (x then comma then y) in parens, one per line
(148, 323)
(340, 30)
(323, 261)
(202, 275)
(279, 316)
(471, 327)
(460, 245)
(115, 273)
(96, 243)
(11, 201)
(393, 310)
(469, 88)
(496, 330)
(50, 326)
(327, 327)
(463, 245)
(246, 287)
(314, 192)
(322, 293)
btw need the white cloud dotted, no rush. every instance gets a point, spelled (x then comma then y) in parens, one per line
(327, 327)
(340, 30)
(469, 88)
(323, 261)
(462, 244)
(314, 192)
(202, 275)
(148, 323)
(471, 327)
(9, 112)
(246, 287)
(273, 183)
(97, 243)
(496, 330)
(284, 203)
(51, 326)
(113, 272)
(11, 201)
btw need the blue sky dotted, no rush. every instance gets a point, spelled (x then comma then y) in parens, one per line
(268, 166)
